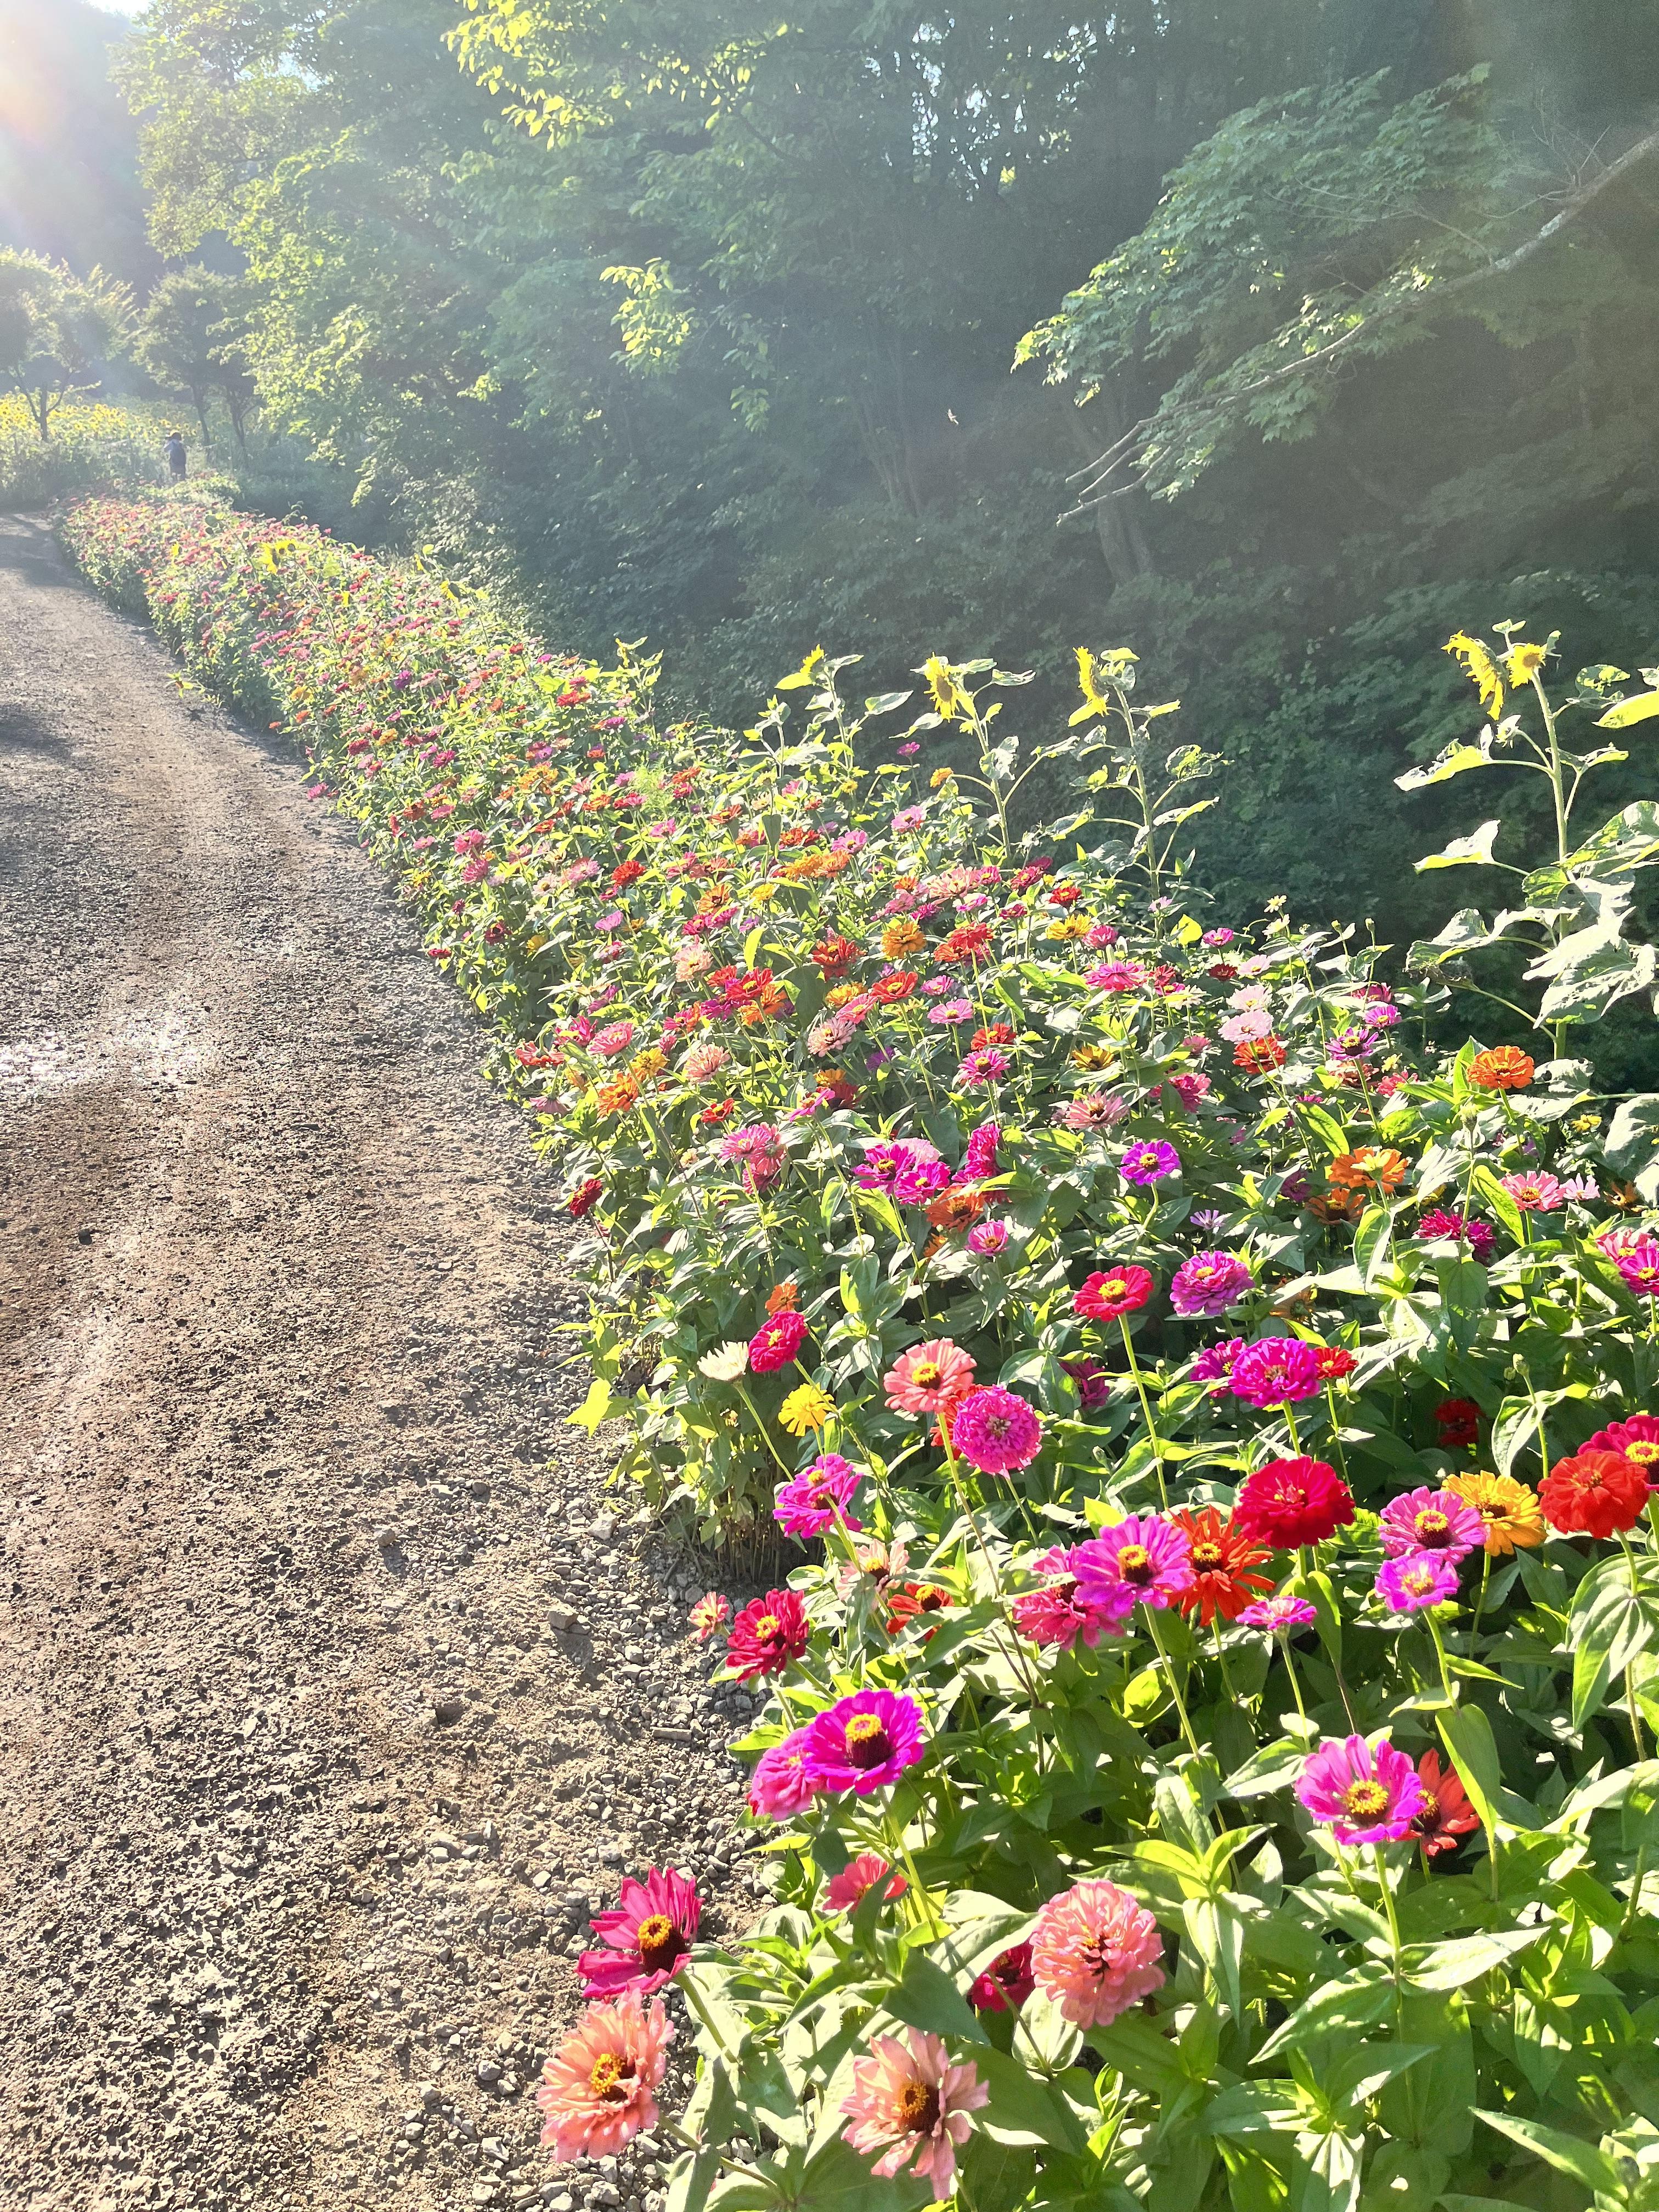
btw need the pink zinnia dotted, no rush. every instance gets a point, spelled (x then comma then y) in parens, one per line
(1535, 1194)
(928, 1376)
(1363, 1796)
(863, 1741)
(1209, 1282)
(1418, 1580)
(775, 1342)
(1215, 1364)
(779, 1786)
(596, 2088)
(843, 1893)
(1095, 1952)
(711, 1611)
(987, 1238)
(1055, 1615)
(1141, 1561)
(908, 2098)
(1276, 1370)
(980, 1160)
(995, 1432)
(1279, 1614)
(648, 1937)
(1436, 1520)
(813, 1501)
(1117, 976)
(614, 1039)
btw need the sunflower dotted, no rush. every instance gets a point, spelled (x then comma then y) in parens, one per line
(1511, 1510)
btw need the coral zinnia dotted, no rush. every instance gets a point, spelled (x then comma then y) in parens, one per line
(995, 1432)
(596, 2088)
(1221, 1558)
(1505, 1067)
(1142, 1560)
(863, 1741)
(1006, 1982)
(775, 1342)
(1364, 1795)
(1447, 1815)
(1095, 1952)
(1105, 1295)
(928, 1376)
(1439, 1520)
(1509, 1514)
(767, 1635)
(1373, 1167)
(711, 1611)
(648, 1937)
(844, 1891)
(1292, 1502)
(908, 2100)
(1594, 1493)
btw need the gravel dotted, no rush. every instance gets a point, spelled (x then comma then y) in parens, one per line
(322, 1737)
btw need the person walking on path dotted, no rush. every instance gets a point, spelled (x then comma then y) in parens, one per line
(175, 454)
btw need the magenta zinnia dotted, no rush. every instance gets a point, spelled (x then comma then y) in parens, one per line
(1438, 1520)
(813, 1501)
(1141, 1561)
(1276, 1370)
(863, 1742)
(647, 1936)
(1209, 1282)
(779, 1785)
(1364, 1794)
(1095, 1952)
(995, 1432)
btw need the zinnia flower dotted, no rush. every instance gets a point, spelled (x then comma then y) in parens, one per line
(1335, 1364)
(1005, 1983)
(1373, 1167)
(1292, 1502)
(1094, 1109)
(995, 1432)
(1505, 1067)
(1425, 1520)
(1479, 1236)
(1143, 1561)
(1364, 1795)
(1279, 1614)
(863, 1741)
(1535, 1194)
(1208, 1283)
(1216, 1362)
(780, 1784)
(1418, 1580)
(1276, 1370)
(812, 1501)
(710, 1612)
(1447, 1815)
(844, 1891)
(775, 1342)
(767, 1635)
(595, 2090)
(1637, 1438)
(648, 1937)
(1638, 1266)
(1221, 1558)
(928, 1376)
(1117, 1290)
(1594, 1493)
(1458, 1420)
(1510, 1515)
(909, 2101)
(1149, 1163)
(1095, 1952)
(1055, 1615)
(805, 1407)
(986, 1238)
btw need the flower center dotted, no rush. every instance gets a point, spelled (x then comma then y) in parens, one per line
(1644, 1452)
(1206, 1557)
(610, 2078)
(767, 1627)
(926, 1374)
(1135, 1563)
(1432, 1526)
(998, 1425)
(659, 1942)
(1366, 1801)
(1113, 1286)
(917, 2107)
(867, 1741)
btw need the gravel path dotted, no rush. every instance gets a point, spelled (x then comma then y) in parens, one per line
(333, 1695)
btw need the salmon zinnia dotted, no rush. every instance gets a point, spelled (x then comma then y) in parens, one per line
(909, 2101)
(596, 2087)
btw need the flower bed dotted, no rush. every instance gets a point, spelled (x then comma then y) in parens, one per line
(1208, 1758)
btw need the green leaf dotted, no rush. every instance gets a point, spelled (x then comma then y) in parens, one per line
(928, 1998)
(1566, 2153)
(1472, 1750)
(1642, 706)
(1357, 1999)
(1612, 1624)
(1454, 1966)
(1454, 760)
(1023, 2106)
(1474, 851)
(596, 1406)
(1631, 1145)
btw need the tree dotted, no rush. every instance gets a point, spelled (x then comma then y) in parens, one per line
(190, 339)
(57, 330)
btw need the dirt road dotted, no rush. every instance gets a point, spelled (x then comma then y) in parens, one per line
(305, 1786)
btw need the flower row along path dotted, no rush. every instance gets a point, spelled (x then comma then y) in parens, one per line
(336, 1689)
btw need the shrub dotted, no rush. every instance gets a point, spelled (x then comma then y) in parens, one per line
(90, 445)
(1207, 1758)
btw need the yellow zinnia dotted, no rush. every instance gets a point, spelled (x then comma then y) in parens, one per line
(1514, 1518)
(805, 1407)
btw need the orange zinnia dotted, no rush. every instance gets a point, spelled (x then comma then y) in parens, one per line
(1373, 1166)
(1505, 1067)
(1221, 1558)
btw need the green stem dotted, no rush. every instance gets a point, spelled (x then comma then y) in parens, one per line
(1170, 1676)
(1146, 1411)
(1440, 1653)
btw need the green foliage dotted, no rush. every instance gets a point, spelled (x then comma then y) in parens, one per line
(190, 339)
(57, 331)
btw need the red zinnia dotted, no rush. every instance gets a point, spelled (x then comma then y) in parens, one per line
(628, 872)
(1292, 1502)
(775, 1342)
(1335, 1366)
(996, 1033)
(1447, 1816)
(909, 1602)
(835, 956)
(767, 1635)
(897, 983)
(1220, 1559)
(1594, 1493)
(1259, 1055)
(1006, 1982)
(1106, 1294)
(1458, 1420)
(586, 1196)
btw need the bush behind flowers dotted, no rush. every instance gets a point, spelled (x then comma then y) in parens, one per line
(1209, 1757)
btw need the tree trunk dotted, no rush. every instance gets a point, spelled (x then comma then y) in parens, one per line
(1120, 520)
